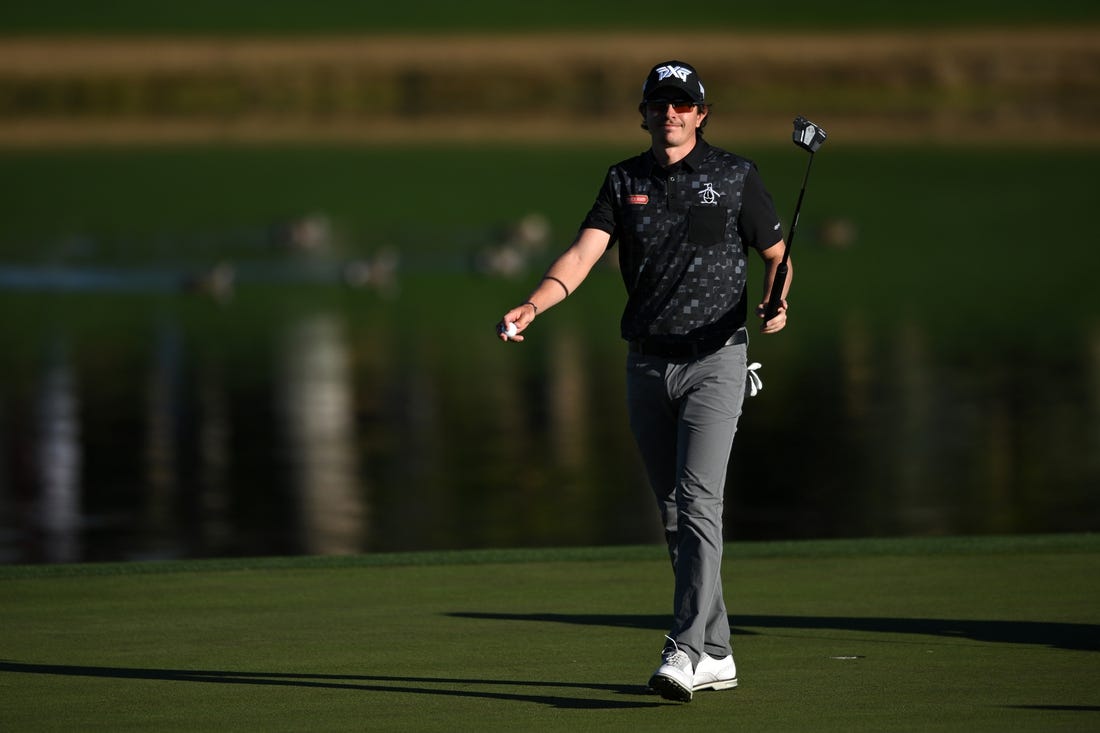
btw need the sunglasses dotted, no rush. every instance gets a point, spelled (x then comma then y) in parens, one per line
(679, 106)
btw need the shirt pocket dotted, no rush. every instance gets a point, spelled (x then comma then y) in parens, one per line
(707, 225)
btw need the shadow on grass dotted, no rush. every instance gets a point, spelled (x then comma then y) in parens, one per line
(442, 686)
(1075, 637)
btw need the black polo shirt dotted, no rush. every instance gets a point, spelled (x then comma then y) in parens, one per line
(683, 234)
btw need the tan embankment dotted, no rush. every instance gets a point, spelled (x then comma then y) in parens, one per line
(993, 85)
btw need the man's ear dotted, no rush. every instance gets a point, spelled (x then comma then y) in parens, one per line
(704, 110)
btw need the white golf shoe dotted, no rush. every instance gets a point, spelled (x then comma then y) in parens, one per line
(673, 678)
(715, 674)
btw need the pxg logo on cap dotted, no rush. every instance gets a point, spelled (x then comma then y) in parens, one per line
(674, 75)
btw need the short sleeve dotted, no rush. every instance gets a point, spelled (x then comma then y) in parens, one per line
(758, 221)
(602, 214)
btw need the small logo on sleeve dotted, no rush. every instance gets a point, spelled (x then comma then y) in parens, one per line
(639, 199)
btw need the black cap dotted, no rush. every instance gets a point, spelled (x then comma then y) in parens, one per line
(676, 75)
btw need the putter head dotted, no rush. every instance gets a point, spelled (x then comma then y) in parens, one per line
(807, 135)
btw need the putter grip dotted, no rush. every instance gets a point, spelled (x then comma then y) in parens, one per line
(776, 298)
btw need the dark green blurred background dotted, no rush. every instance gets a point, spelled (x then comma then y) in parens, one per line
(227, 335)
(343, 16)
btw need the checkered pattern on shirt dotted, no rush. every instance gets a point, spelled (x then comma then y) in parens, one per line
(681, 283)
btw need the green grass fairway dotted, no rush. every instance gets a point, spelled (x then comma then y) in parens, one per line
(990, 634)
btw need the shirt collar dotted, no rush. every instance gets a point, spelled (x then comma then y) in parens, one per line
(694, 159)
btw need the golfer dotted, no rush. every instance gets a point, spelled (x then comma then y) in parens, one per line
(685, 215)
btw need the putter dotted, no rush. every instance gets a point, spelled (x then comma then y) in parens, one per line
(810, 138)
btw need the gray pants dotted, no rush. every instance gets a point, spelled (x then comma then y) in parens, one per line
(684, 415)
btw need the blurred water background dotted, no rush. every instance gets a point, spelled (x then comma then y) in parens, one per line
(249, 274)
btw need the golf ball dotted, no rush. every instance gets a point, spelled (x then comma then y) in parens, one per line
(510, 330)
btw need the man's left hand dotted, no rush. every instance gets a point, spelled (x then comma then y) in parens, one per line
(777, 322)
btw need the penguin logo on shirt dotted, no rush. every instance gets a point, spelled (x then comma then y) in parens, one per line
(709, 196)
